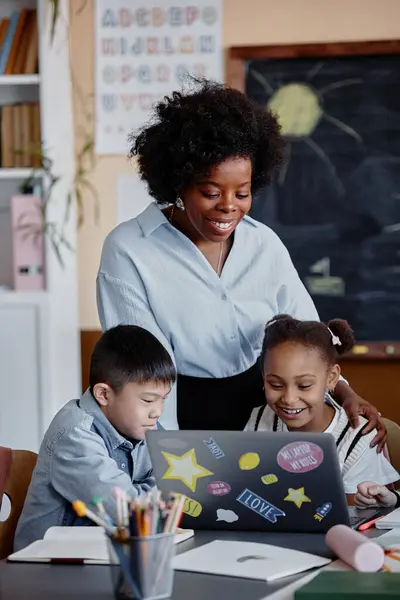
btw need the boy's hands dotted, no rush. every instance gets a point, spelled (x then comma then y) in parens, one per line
(370, 495)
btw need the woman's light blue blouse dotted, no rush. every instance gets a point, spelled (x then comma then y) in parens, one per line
(152, 275)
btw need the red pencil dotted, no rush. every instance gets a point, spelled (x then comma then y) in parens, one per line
(369, 524)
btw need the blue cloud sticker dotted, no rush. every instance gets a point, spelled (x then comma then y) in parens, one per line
(260, 506)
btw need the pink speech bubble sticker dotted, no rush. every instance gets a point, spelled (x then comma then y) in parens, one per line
(300, 457)
(218, 488)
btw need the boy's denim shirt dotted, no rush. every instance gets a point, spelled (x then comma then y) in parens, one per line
(82, 455)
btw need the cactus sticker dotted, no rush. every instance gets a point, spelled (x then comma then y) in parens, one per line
(192, 507)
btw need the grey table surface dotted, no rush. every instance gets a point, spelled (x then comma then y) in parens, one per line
(25, 581)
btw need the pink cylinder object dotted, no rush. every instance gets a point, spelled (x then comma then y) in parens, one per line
(355, 549)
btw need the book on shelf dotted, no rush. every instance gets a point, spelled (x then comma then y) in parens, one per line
(20, 136)
(8, 39)
(19, 43)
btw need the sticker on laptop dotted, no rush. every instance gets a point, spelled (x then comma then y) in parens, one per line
(185, 468)
(322, 511)
(268, 479)
(226, 515)
(260, 506)
(300, 457)
(218, 488)
(297, 496)
(192, 507)
(214, 448)
(173, 444)
(249, 461)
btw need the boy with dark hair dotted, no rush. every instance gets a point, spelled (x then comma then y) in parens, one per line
(97, 443)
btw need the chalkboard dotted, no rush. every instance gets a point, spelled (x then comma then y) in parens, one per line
(336, 204)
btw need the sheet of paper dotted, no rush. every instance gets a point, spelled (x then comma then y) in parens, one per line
(77, 534)
(391, 520)
(393, 535)
(287, 593)
(132, 197)
(66, 549)
(182, 535)
(391, 542)
(97, 534)
(87, 543)
(248, 560)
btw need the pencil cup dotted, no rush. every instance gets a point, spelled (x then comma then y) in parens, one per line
(142, 567)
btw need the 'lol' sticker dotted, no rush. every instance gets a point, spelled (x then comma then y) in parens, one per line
(226, 515)
(260, 506)
(322, 511)
(214, 448)
(219, 488)
(268, 479)
(300, 457)
(192, 507)
(249, 461)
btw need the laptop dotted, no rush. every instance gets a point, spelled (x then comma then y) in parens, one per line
(253, 481)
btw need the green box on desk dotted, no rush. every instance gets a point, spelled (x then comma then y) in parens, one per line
(347, 585)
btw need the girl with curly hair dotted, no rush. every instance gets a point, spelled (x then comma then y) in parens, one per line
(300, 368)
(194, 269)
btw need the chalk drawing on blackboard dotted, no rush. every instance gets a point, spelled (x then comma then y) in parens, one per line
(322, 282)
(300, 107)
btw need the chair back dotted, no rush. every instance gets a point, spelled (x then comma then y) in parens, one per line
(16, 468)
(393, 442)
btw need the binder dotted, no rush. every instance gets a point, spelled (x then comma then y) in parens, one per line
(28, 243)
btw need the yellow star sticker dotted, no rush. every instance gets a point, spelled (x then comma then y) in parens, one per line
(185, 468)
(297, 496)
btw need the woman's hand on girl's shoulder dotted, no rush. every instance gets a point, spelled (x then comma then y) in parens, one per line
(355, 406)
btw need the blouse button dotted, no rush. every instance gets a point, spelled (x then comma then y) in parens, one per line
(224, 297)
(123, 465)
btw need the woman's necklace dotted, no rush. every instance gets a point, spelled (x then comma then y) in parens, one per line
(219, 269)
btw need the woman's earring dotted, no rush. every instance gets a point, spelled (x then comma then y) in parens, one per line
(179, 204)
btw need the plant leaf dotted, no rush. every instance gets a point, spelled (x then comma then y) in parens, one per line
(55, 4)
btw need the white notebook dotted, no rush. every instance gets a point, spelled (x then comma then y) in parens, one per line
(247, 559)
(75, 544)
(391, 520)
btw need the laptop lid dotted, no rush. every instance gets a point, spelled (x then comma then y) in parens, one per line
(254, 481)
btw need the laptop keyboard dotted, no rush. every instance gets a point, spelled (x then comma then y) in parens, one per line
(358, 516)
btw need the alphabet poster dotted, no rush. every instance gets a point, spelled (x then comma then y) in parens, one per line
(144, 50)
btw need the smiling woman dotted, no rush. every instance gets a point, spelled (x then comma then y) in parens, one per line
(194, 268)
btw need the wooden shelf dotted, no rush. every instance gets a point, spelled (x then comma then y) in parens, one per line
(19, 80)
(17, 173)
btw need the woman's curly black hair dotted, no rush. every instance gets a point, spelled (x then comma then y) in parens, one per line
(195, 131)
